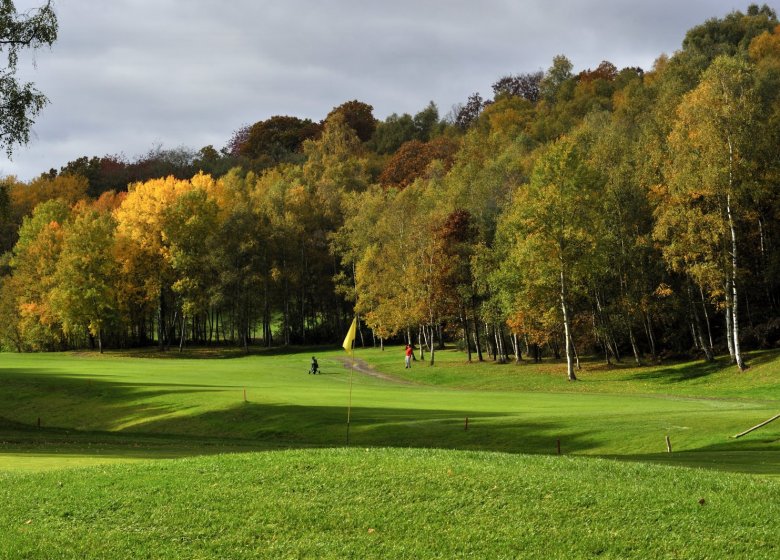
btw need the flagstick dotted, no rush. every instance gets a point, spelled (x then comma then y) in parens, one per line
(349, 346)
(349, 407)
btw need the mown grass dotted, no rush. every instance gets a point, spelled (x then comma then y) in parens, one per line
(381, 503)
(122, 407)
(693, 378)
(270, 476)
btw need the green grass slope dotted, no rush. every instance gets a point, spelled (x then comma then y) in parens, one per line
(380, 503)
(123, 408)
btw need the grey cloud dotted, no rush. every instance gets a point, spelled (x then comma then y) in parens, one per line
(127, 74)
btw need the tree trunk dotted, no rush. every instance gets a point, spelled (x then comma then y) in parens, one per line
(734, 295)
(432, 346)
(609, 340)
(706, 319)
(694, 336)
(597, 336)
(576, 355)
(697, 329)
(567, 330)
(489, 342)
(615, 349)
(183, 330)
(504, 346)
(171, 335)
(161, 321)
(765, 272)
(650, 337)
(634, 346)
(499, 346)
(266, 315)
(477, 342)
(424, 330)
(516, 347)
(556, 349)
(498, 355)
(466, 342)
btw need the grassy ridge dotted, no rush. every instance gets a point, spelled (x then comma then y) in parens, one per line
(361, 503)
(116, 408)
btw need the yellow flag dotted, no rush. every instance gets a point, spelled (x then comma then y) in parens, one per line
(350, 336)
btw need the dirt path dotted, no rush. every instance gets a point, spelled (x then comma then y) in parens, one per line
(363, 367)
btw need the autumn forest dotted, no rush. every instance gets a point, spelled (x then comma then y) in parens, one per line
(626, 213)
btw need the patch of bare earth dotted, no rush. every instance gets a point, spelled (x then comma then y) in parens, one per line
(363, 367)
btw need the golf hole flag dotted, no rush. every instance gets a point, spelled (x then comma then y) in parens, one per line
(350, 338)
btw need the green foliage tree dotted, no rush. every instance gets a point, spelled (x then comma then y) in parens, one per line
(334, 166)
(555, 77)
(276, 139)
(20, 103)
(86, 274)
(33, 263)
(704, 204)
(358, 116)
(426, 122)
(535, 215)
(393, 132)
(730, 34)
(189, 226)
(554, 225)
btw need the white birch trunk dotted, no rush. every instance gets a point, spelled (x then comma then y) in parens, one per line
(729, 329)
(706, 318)
(567, 331)
(734, 295)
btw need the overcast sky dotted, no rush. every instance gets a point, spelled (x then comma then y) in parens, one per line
(127, 75)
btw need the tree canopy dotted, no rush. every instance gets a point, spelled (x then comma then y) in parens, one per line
(20, 102)
(609, 211)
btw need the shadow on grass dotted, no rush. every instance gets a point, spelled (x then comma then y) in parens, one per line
(761, 455)
(682, 372)
(760, 357)
(66, 401)
(686, 371)
(215, 352)
(158, 431)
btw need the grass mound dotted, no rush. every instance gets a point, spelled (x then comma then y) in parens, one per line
(384, 503)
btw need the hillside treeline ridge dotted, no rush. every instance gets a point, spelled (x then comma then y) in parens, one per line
(619, 211)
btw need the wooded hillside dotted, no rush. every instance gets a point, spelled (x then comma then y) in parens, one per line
(625, 212)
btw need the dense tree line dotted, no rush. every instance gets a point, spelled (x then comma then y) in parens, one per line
(625, 212)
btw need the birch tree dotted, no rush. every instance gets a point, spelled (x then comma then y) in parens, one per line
(708, 179)
(553, 227)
